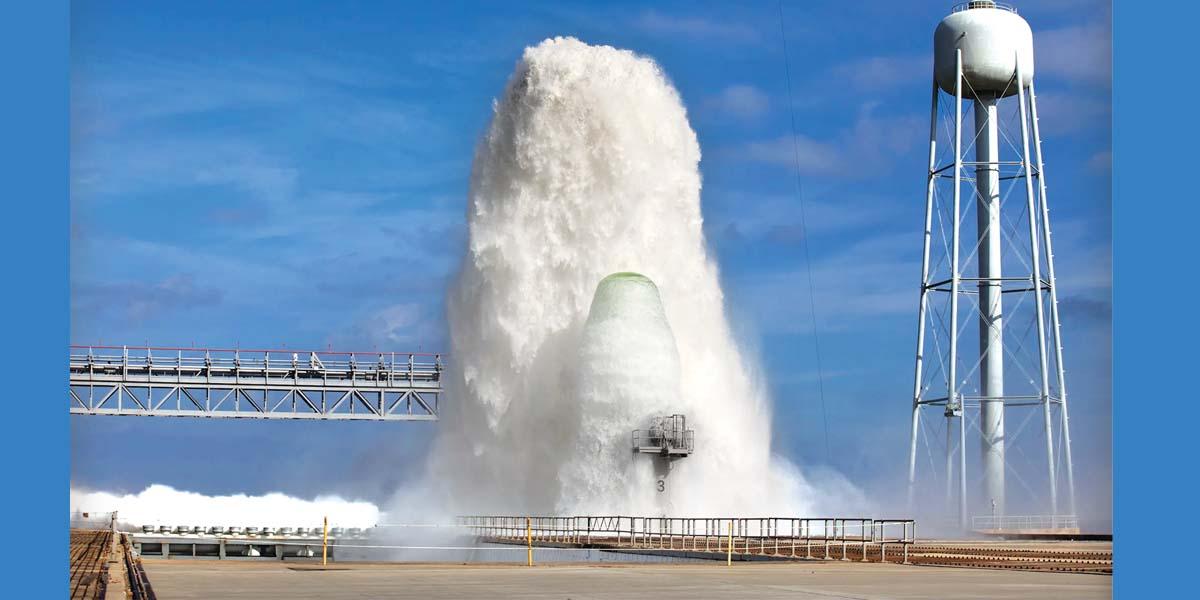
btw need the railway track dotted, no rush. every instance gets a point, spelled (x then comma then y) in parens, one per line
(1028, 556)
(987, 557)
(92, 551)
(89, 563)
(138, 583)
(974, 556)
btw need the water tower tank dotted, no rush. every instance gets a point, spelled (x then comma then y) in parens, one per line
(991, 36)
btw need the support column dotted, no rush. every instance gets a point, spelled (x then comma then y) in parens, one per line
(991, 332)
(1035, 252)
(953, 402)
(1055, 327)
(930, 185)
(949, 463)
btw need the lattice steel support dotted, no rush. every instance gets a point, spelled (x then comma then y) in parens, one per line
(1019, 363)
(263, 384)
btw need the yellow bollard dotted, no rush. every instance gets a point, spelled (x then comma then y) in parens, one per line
(529, 543)
(729, 557)
(325, 541)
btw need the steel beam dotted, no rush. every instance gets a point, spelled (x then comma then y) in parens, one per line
(262, 384)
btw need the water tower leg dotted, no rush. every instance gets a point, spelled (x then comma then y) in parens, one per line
(1035, 252)
(1055, 325)
(949, 463)
(953, 397)
(921, 313)
(991, 331)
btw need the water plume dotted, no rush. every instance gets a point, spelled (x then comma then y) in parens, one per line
(590, 167)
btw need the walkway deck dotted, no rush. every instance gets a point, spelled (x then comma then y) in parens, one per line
(182, 580)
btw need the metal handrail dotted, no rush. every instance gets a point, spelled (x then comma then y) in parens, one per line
(326, 352)
(653, 437)
(960, 7)
(203, 360)
(1016, 522)
(790, 537)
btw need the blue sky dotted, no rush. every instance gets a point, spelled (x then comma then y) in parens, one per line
(293, 173)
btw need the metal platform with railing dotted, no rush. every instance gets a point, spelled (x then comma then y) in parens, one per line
(667, 436)
(839, 538)
(1045, 527)
(263, 384)
(1025, 522)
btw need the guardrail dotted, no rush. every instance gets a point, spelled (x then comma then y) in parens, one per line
(268, 364)
(982, 4)
(814, 538)
(1024, 522)
(649, 440)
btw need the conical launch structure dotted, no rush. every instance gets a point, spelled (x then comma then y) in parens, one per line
(989, 348)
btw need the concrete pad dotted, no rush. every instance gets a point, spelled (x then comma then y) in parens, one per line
(184, 579)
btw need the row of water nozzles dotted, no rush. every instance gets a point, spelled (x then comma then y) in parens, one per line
(253, 531)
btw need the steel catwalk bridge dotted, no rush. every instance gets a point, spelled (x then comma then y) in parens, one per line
(257, 384)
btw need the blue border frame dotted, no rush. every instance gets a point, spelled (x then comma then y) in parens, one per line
(1155, 214)
(34, 41)
(1154, 226)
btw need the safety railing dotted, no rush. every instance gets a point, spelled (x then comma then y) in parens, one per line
(283, 365)
(982, 4)
(811, 538)
(269, 384)
(651, 439)
(1024, 522)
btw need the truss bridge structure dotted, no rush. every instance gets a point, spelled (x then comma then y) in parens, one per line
(256, 384)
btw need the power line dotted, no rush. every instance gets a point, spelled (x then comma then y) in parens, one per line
(812, 303)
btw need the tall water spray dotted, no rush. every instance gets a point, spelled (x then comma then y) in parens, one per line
(589, 167)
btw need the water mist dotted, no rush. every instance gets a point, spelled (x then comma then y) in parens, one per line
(589, 167)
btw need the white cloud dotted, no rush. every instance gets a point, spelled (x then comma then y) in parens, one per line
(398, 323)
(409, 326)
(1101, 160)
(695, 27)
(812, 156)
(1052, 6)
(1082, 257)
(868, 148)
(1080, 54)
(876, 277)
(131, 133)
(263, 223)
(778, 217)
(871, 278)
(741, 101)
(138, 300)
(112, 168)
(879, 72)
(1061, 113)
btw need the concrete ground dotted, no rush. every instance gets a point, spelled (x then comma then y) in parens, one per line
(182, 579)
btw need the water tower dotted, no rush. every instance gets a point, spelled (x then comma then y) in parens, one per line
(989, 348)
